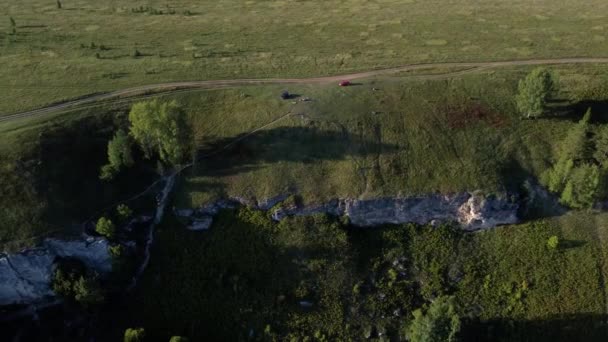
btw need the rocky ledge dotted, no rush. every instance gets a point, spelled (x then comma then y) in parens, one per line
(471, 210)
(26, 277)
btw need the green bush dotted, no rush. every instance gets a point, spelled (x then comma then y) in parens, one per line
(71, 282)
(106, 228)
(439, 323)
(134, 335)
(553, 242)
(124, 212)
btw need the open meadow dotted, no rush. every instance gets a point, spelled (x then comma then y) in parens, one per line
(51, 54)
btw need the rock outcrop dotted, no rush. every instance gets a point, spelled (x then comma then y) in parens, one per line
(472, 210)
(26, 277)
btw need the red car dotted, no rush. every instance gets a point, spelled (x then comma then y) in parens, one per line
(344, 83)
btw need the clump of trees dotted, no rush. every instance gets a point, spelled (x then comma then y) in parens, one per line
(439, 323)
(534, 92)
(159, 128)
(576, 175)
(71, 281)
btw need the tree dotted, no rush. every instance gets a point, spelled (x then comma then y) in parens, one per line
(439, 323)
(573, 151)
(159, 127)
(534, 91)
(87, 291)
(119, 155)
(601, 147)
(124, 212)
(179, 339)
(105, 227)
(134, 335)
(553, 242)
(71, 282)
(582, 188)
(13, 23)
(59, 4)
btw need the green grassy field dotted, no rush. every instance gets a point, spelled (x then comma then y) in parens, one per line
(406, 137)
(87, 46)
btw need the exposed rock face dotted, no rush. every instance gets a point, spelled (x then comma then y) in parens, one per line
(26, 277)
(472, 211)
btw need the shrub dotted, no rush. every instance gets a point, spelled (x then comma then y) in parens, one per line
(124, 212)
(105, 227)
(553, 242)
(439, 323)
(71, 282)
(179, 339)
(134, 335)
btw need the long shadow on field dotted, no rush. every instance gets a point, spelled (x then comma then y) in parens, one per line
(564, 110)
(569, 327)
(242, 153)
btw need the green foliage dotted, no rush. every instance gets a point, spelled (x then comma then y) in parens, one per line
(119, 155)
(74, 284)
(601, 146)
(160, 127)
(582, 188)
(573, 176)
(553, 242)
(179, 339)
(534, 91)
(439, 323)
(134, 335)
(124, 212)
(105, 227)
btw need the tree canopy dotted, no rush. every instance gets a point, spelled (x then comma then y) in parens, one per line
(119, 155)
(160, 128)
(105, 227)
(134, 335)
(576, 175)
(440, 323)
(534, 91)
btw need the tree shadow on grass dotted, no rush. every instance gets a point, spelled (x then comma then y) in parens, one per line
(574, 111)
(245, 152)
(535, 200)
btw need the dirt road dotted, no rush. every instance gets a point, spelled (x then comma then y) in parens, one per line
(177, 86)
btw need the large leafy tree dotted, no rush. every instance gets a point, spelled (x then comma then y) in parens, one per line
(159, 127)
(440, 323)
(534, 91)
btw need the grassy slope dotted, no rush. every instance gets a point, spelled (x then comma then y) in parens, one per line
(408, 137)
(232, 38)
(424, 136)
(49, 175)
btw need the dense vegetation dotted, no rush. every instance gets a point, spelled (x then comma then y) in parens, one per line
(312, 278)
